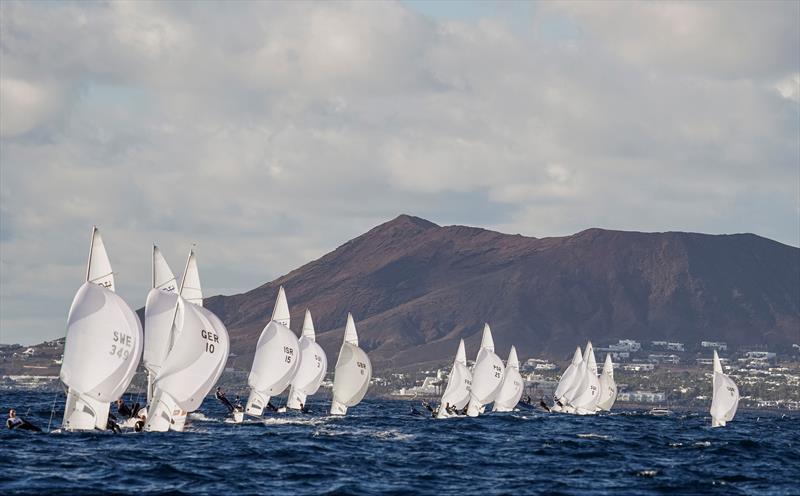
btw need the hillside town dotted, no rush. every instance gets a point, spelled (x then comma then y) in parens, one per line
(662, 373)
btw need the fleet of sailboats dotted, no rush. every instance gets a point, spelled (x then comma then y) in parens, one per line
(185, 347)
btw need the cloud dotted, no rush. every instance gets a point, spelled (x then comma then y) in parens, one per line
(273, 132)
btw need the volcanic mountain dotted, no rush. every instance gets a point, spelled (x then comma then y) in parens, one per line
(416, 288)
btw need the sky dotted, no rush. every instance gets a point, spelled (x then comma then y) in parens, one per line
(270, 133)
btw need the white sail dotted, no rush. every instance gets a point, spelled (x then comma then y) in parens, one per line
(568, 377)
(98, 269)
(585, 399)
(725, 399)
(312, 368)
(159, 311)
(103, 345)
(352, 374)
(276, 359)
(608, 388)
(511, 390)
(163, 278)
(487, 375)
(456, 393)
(194, 364)
(191, 290)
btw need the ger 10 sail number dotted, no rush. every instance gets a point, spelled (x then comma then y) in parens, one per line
(211, 338)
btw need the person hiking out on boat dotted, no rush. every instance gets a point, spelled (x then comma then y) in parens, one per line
(15, 422)
(414, 411)
(220, 395)
(544, 405)
(271, 407)
(126, 411)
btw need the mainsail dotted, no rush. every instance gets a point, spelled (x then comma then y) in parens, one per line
(725, 399)
(585, 399)
(103, 345)
(352, 374)
(511, 390)
(456, 394)
(276, 359)
(568, 379)
(312, 368)
(487, 375)
(608, 388)
(159, 311)
(198, 352)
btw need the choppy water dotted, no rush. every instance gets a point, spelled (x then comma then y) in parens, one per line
(381, 449)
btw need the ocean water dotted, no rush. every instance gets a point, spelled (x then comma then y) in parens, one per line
(379, 448)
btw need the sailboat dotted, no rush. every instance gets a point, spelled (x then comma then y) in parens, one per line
(159, 310)
(487, 375)
(352, 374)
(608, 388)
(456, 394)
(276, 359)
(103, 345)
(725, 399)
(511, 390)
(585, 399)
(567, 382)
(197, 354)
(313, 365)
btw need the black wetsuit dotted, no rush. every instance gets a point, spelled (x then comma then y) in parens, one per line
(221, 397)
(415, 412)
(544, 405)
(23, 425)
(271, 407)
(112, 425)
(125, 410)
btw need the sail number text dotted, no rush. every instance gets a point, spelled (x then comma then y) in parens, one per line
(497, 371)
(362, 366)
(121, 346)
(289, 353)
(211, 338)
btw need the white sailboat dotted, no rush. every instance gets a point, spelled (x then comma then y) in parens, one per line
(608, 387)
(511, 390)
(197, 354)
(103, 345)
(313, 365)
(159, 310)
(456, 394)
(569, 378)
(352, 374)
(725, 399)
(276, 359)
(487, 375)
(585, 400)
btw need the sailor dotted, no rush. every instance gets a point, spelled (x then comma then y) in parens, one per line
(220, 395)
(527, 399)
(15, 422)
(142, 419)
(237, 405)
(271, 407)
(111, 424)
(304, 408)
(543, 404)
(451, 409)
(415, 412)
(124, 410)
(427, 405)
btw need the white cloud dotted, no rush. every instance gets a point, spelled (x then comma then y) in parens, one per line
(273, 132)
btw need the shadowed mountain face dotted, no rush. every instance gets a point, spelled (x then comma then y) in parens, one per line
(416, 288)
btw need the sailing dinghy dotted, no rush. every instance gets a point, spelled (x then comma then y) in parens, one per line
(608, 388)
(456, 394)
(585, 399)
(159, 309)
(352, 374)
(196, 356)
(567, 382)
(276, 359)
(103, 345)
(312, 368)
(511, 390)
(725, 399)
(487, 375)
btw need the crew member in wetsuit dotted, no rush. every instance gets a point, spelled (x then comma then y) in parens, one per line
(427, 405)
(415, 412)
(543, 404)
(304, 408)
(271, 407)
(451, 409)
(237, 405)
(127, 411)
(220, 395)
(142, 419)
(111, 424)
(15, 422)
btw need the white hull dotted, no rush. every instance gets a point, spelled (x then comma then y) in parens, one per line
(83, 413)
(297, 400)
(338, 408)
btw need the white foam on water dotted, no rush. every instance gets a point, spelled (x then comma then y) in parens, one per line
(703, 444)
(292, 421)
(592, 435)
(200, 417)
(647, 473)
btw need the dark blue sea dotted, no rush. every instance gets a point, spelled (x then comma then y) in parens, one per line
(380, 449)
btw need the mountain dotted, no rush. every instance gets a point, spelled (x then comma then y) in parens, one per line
(415, 288)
